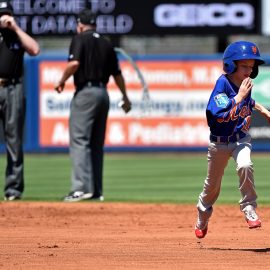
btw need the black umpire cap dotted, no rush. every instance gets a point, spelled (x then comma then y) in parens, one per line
(87, 17)
(5, 8)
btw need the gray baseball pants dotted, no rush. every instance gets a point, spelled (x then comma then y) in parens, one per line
(87, 126)
(12, 114)
(218, 157)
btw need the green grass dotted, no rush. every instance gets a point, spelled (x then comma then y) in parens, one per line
(176, 178)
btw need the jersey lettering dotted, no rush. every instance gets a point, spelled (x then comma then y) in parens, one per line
(233, 116)
(230, 116)
(245, 111)
(246, 125)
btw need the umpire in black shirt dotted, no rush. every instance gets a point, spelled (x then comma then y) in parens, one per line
(92, 60)
(13, 43)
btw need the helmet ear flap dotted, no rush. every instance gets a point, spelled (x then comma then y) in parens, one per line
(229, 67)
(254, 72)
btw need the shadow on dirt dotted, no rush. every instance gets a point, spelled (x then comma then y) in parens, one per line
(258, 250)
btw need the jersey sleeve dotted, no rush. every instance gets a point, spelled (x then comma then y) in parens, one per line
(220, 103)
(114, 63)
(75, 49)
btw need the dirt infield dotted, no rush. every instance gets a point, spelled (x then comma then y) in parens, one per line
(128, 236)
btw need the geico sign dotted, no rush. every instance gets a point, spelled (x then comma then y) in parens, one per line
(189, 15)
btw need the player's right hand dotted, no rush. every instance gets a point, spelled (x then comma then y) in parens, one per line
(59, 88)
(245, 87)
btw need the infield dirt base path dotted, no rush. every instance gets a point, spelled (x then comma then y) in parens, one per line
(120, 236)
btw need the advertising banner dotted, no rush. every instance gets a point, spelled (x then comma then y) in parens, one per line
(265, 18)
(260, 129)
(152, 17)
(173, 117)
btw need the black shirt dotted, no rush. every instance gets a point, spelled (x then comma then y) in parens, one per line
(11, 55)
(97, 58)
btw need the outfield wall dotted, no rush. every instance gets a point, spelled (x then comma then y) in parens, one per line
(172, 120)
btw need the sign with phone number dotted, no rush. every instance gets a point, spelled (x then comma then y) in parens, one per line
(179, 92)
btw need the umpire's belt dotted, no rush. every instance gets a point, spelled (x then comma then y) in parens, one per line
(227, 139)
(95, 84)
(5, 82)
(90, 84)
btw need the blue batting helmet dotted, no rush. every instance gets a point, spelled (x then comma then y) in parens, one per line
(241, 50)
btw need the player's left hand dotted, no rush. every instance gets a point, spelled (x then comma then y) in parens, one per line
(7, 21)
(126, 104)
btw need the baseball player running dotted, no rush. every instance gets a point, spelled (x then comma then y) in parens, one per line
(228, 115)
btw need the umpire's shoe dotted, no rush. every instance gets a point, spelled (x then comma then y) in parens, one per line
(76, 196)
(12, 197)
(252, 218)
(201, 233)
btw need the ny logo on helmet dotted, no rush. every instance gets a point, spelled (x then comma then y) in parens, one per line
(254, 49)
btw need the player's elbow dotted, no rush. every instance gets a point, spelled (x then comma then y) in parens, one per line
(72, 67)
(35, 50)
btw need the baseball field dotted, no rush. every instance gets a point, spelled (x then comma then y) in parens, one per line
(145, 222)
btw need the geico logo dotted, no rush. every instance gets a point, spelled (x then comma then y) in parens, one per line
(189, 15)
